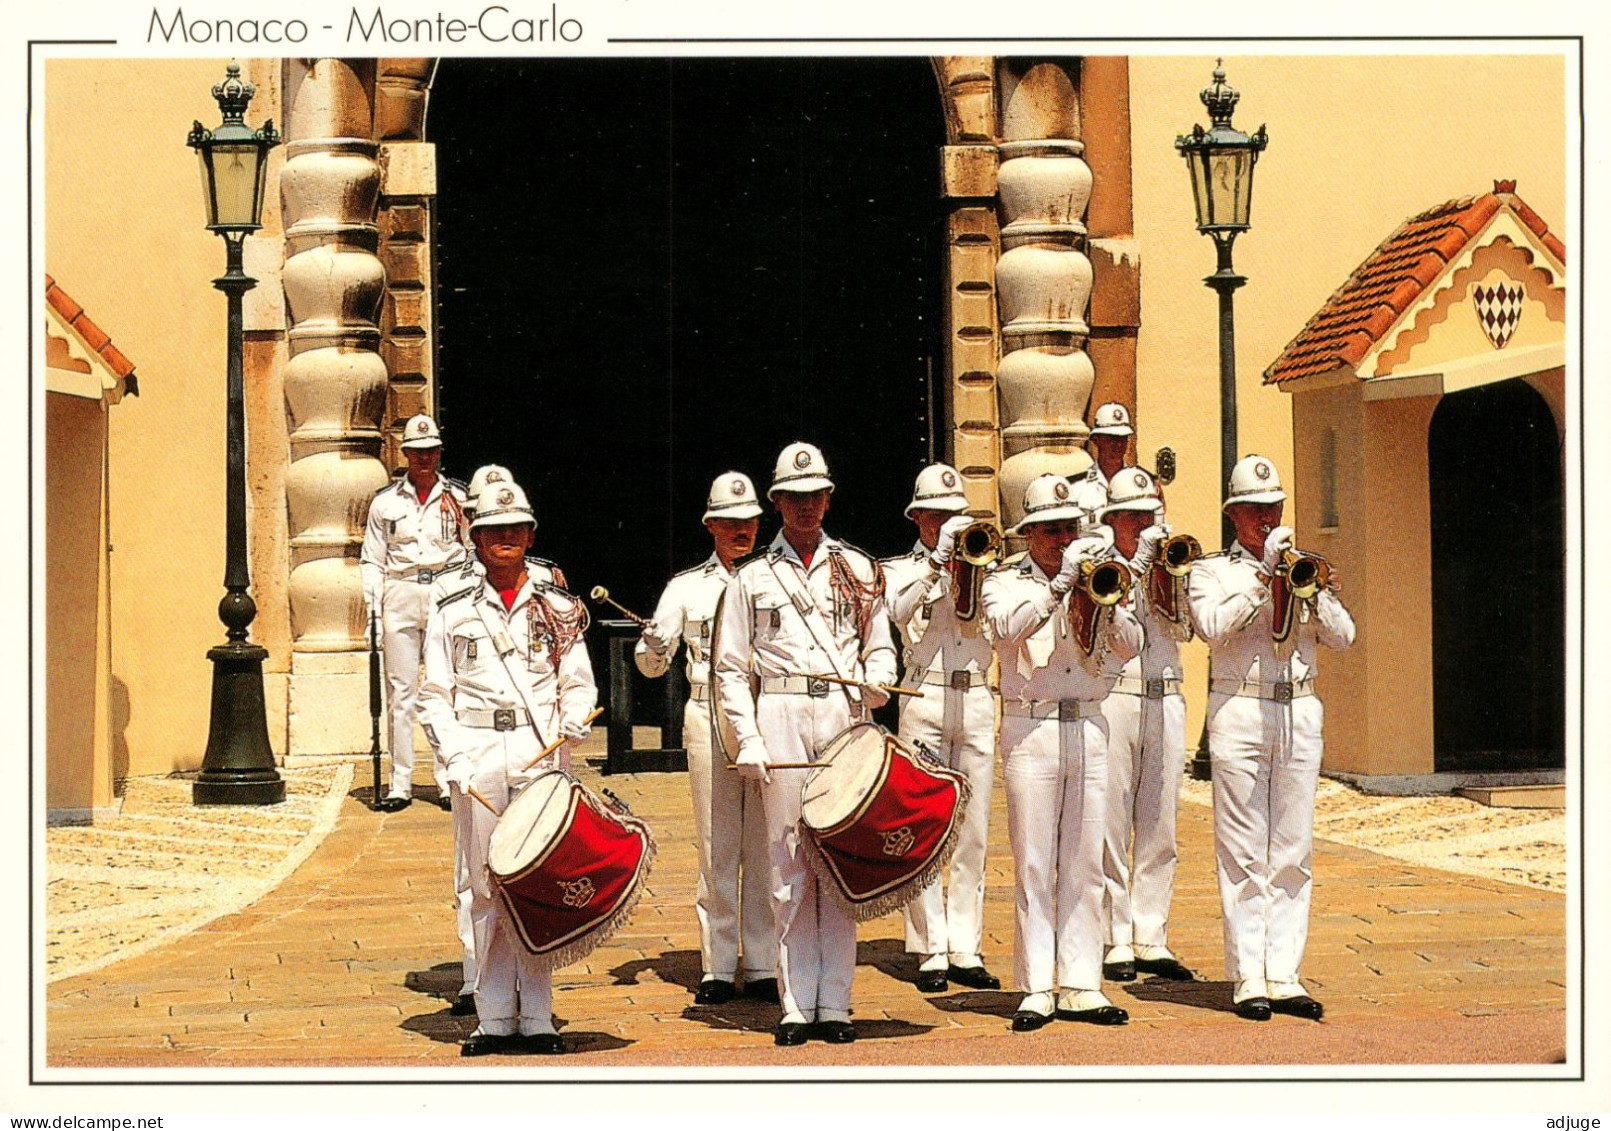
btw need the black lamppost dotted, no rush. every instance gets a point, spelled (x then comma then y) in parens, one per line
(238, 768)
(1221, 161)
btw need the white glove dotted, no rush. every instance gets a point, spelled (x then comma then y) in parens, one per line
(1081, 550)
(1148, 544)
(1278, 543)
(574, 733)
(945, 546)
(873, 696)
(458, 772)
(654, 640)
(752, 759)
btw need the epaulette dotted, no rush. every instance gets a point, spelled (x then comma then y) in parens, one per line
(381, 491)
(1214, 554)
(444, 602)
(700, 568)
(757, 556)
(843, 545)
(459, 483)
(533, 559)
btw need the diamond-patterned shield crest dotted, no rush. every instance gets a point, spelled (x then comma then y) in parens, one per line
(1499, 308)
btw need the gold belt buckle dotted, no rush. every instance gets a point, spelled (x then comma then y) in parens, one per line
(503, 718)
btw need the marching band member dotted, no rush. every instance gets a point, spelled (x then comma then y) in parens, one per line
(810, 605)
(506, 670)
(1054, 754)
(949, 656)
(415, 531)
(732, 897)
(486, 473)
(1264, 729)
(1109, 442)
(1146, 716)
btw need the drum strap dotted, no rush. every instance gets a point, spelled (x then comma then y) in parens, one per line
(806, 605)
(506, 648)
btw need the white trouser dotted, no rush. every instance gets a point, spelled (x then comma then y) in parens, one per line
(732, 898)
(405, 608)
(1266, 764)
(513, 992)
(1146, 758)
(463, 896)
(816, 934)
(960, 726)
(1055, 773)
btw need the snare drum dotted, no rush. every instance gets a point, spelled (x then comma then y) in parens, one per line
(568, 866)
(882, 820)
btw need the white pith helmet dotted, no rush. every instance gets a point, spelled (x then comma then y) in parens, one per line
(732, 495)
(485, 474)
(938, 488)
(503, 504)
(1048, 498)
(800, 467)
(1254, 480)
(1131, 489)
(1112, 419)
(421, 432)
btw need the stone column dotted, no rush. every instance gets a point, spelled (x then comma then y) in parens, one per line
(335, 390)
(973, 339)
(1043, 278)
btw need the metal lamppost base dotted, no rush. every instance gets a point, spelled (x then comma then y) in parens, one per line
(238, 768)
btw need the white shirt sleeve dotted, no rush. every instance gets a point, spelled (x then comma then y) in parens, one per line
(372, 558)
(1334, 624)
(668, 621)
(1220, 611)
(436, 689)
(1014, 612)
(730, 666)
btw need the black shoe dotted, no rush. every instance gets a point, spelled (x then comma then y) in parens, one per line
(445, 802)
(464, 1007)
(1254, 1009)
(484, 1044)
(714, 991)
(1171, 968)
(538, 1044)
(974, 977)
(1301, 1006)
(394, 804)
(1119, 971)
(1101, 1015)
(1027, 1021)
(790, 1033)
(762, 989)
(836, 1032)
(932, 981)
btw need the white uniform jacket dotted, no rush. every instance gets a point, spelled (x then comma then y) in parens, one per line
(404, 536)
(686, 613)
(475, 652)
(933, 638)
(1040, 660)
(765, 635)
(1232, 611)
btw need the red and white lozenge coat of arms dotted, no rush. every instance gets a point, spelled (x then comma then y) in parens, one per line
(1499, 309)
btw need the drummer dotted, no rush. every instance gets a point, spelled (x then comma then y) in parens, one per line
(809, 605)
(506, 670)
(732, 900)
(1054, 756)
(956, 718)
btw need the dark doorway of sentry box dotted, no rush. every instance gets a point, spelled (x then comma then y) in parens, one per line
(651, 271)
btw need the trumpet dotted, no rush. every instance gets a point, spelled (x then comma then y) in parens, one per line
(1306, 574)
(1178, 552)
(1104, 583)
(977, 547)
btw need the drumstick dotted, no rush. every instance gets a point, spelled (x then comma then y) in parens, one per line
(888, 689)
(602, 594)
(471, 790)
(784, 766)
(558, 742)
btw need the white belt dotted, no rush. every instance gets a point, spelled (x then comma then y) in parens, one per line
(422, 576)
(1280, 692)
(503, 718)
(794, 685)
(959, 680)
(1064, 710)
(698, 692)
(1149, 688)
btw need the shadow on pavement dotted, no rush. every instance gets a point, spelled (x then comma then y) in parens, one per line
(1194, 995)
(674, 967)
(440, 1026)
(888, 956)
(591, 1041)
(440, 981)
(990, 1003)
(890, 1030)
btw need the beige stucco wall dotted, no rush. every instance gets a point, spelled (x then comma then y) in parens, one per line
(1357, 145)
(125, 236)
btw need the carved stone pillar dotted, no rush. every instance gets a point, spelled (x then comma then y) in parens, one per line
(335, 389)
(1043, 278)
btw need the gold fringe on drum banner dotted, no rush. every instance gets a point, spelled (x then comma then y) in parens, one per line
(899, 896)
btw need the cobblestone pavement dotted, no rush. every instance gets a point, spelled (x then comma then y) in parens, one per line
(350, 962)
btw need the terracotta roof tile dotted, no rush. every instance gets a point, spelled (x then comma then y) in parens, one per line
(94, 337)
(1390, 280)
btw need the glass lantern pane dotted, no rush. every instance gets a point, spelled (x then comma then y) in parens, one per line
(236, 180)
(1197, 163)
(1244, 190)
(207, 201)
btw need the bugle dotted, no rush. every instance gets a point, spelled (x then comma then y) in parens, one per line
(1178, 552)
(1307, 574)
(977, 547)
(1104, 583)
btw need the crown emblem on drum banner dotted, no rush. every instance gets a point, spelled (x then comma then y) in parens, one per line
(1499, 309)
(898, 842)
(578, 893)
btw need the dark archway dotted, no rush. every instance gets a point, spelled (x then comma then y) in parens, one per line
(1498, 582)
(651, 271)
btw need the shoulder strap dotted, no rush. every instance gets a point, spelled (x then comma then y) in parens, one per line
(506, 648)
(806, 606)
